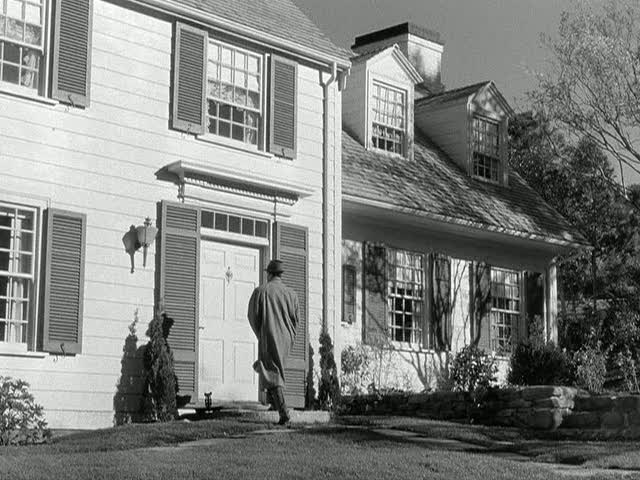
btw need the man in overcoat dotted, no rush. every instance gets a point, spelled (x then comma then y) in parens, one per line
(273, 315)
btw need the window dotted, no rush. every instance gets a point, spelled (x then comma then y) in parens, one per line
(17, 271)
(22, 33)
(234, 93)
(389, 119)
(405, 282)
(235, 224)
(348, 293)
(486, 149)
(505, 307)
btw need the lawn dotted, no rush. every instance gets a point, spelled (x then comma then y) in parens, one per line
(245, 450)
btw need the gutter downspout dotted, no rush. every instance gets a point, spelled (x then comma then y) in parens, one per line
(326, 164)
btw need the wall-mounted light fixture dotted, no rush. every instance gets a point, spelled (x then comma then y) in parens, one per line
(140, 236)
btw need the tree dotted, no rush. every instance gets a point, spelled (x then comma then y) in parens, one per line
(592, 83)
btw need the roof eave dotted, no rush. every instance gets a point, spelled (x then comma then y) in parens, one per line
(547, 239)
(234, 28)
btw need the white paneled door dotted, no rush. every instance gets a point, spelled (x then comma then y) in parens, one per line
(228, 347)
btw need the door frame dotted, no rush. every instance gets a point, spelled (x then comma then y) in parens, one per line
(264, 249)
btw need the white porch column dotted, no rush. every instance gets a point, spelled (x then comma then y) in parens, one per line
(551, 302)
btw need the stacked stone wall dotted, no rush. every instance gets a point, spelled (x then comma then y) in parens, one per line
(537, 407)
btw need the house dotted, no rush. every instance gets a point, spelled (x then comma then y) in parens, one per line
(443, 245)
(218, 121)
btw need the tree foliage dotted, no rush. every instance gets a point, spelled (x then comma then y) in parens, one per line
(592, 83)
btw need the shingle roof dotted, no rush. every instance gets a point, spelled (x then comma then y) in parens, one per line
(450, 95)
(433, 185)
(280, 18)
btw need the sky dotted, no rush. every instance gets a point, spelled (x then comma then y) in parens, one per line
(495, 40)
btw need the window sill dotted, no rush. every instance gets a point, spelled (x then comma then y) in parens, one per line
(25, 95)
(486, 180)
(233, 145)
(19, 351)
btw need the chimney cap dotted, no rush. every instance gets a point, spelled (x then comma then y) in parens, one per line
(395, 30)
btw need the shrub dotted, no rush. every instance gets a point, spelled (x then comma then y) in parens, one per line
(329, 388)
(473, 370)
(355, 366)
(539, 363)
(21, 419)
(590, 369)
(161, 383)
(629, 369)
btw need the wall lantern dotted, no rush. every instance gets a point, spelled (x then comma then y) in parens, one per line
(140, 236)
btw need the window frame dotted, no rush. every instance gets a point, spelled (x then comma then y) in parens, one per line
(261, 144)
(34, 296)
(500, 344)
(45, 70)
(376, 82)
(416, 333)
(483, 153)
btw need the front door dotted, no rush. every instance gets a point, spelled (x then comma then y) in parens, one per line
(228, 347)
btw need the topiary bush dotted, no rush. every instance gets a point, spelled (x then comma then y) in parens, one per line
(161, 383)
(540, 363)
(21, 419)
(590, 369)
(329, 388)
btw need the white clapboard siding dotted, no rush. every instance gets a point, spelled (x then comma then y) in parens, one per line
(102, 161)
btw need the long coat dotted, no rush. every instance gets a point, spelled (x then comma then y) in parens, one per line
(273, 315)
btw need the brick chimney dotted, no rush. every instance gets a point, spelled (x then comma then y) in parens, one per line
(421, 46)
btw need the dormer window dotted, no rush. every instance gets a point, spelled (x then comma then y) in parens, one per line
(486, 149)
(389, 123)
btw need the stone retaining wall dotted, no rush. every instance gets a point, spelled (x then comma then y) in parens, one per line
(538, 407)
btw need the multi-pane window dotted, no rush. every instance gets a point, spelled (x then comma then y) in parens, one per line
(22, 27)
(17, 270)
(389, 118)
(505, 307)
(235, 224)
(405, 282)
(486, 149)
(234, 93)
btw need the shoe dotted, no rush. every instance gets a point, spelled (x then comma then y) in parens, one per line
(282, 407)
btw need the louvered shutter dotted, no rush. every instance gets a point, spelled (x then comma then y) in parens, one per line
(179, 273)
(292, 247)
(72, 51)
(481, 305)
(441, 301)
(64, 254)
(375, 294)
(189, 79)
(282, 139)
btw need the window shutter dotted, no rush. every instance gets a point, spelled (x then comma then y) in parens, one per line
(189, 79)
(441, 301)
(481, 305)
(64, 255)
(179, 274)
(534, 302)
(72, 52)
(348, 294)
(292, 247)
(282, 140)
(375, 294)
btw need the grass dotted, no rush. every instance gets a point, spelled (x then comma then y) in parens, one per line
(352, 450)
(548, 447)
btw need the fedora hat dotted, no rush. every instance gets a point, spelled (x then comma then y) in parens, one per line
(275, 266)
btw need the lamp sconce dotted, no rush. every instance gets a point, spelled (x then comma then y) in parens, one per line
(140, 236)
